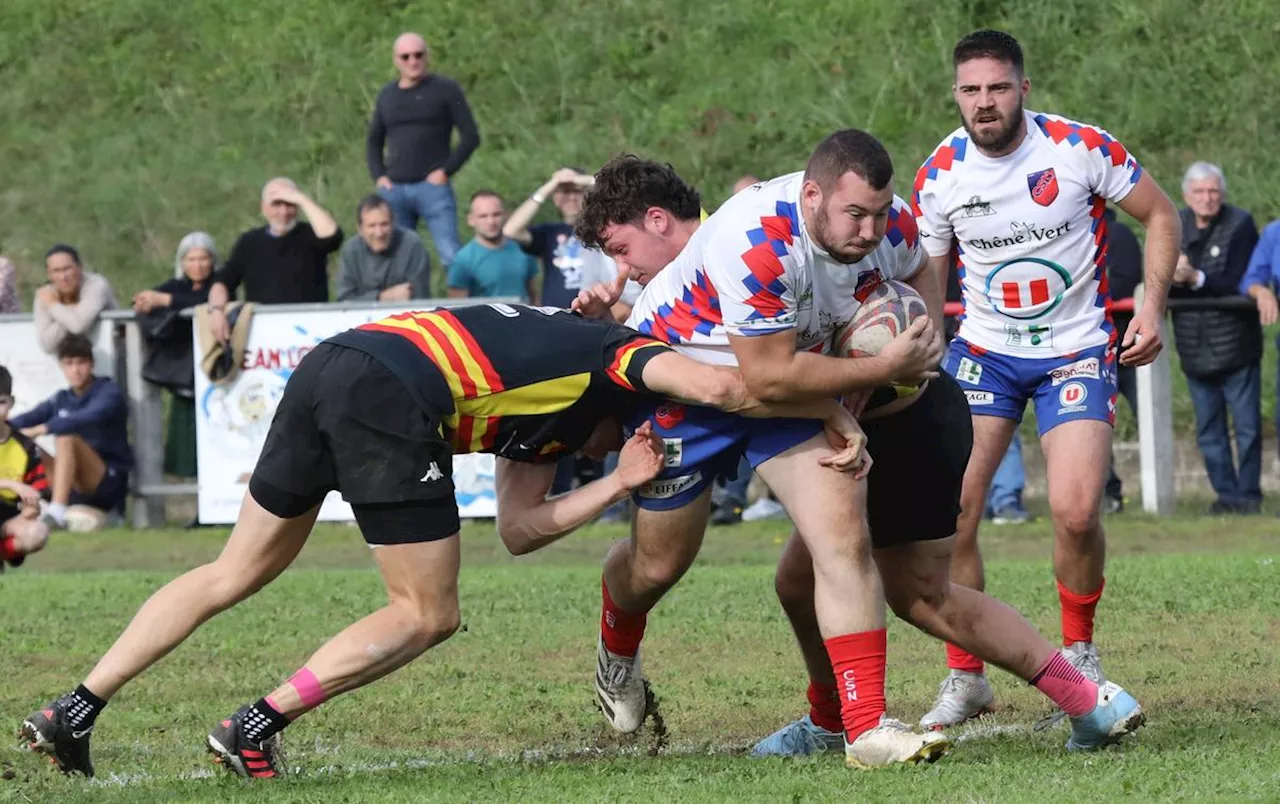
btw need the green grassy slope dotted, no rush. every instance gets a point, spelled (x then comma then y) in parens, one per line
(127, 123)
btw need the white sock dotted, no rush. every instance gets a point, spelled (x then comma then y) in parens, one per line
(58, 511)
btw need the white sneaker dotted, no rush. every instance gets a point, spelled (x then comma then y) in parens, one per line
(620, 689)
(892, 743)
(764, 508)
(1084, 657)
(960, 697)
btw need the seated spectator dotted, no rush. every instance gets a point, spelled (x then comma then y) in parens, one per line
(90, 424)
(10, 302)
(22, 486)
(1220, 350)
(280, 263)
(170, 362)
(72, 301)
(491, 264)
(382, 262)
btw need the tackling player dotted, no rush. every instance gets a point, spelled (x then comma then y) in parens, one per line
(1020, 196)
(377, 412)
(22, 485)
(858, 234)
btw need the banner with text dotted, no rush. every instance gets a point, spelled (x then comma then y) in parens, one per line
(232, 420)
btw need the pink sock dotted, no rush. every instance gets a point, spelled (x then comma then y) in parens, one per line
(1066, 686)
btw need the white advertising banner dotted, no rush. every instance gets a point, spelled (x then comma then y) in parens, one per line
(36, 374)
(232, 420)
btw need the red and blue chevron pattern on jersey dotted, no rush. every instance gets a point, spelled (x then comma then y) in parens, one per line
(770, 242)
(939, 162)
(901, 228)
(697, 310)
(1074, 133)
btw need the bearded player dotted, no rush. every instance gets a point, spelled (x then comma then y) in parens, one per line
(1020, 196)
(850, 234)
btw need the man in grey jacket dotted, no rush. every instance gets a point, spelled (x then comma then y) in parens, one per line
(383, 262)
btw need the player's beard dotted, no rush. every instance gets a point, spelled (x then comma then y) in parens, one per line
(1002, 137)
(822, 236)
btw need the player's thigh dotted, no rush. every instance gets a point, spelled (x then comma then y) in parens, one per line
(419, 565)
(997, 397)
(920, 457)
(829, 508)
(263, 544)
(665, 542)
(1077, 457)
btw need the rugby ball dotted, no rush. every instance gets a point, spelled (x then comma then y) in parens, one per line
(885, 313)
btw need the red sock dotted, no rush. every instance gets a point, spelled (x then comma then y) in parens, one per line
(859, 660)
(9, 548)
(824, 707)
(1077, 613)
(621, 630)
(1066, 686)
(961, 659)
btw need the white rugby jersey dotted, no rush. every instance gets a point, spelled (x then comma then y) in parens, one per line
(1029, 233)
(752, 269)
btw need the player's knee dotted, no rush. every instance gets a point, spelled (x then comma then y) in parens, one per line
(431, 627)
(1075, 521)
(794, 586)
(660, 572)
(34, 537)
(919, 602)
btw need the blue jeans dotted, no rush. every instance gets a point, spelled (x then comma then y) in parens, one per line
(1009, 481)
(1240, 393)
(434, 203)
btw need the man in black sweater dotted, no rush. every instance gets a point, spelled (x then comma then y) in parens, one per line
(282, 262)
(408, 145)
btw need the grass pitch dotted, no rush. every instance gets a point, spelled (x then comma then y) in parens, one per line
(504, 711)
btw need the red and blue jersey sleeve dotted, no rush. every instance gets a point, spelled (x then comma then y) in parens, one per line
(750, 261)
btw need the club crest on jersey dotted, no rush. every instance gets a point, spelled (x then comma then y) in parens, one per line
(669, 414)
(867, 282)
(1044, 186)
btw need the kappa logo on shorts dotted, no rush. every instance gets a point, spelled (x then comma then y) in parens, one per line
(1090, 367)
(969, 371)
(669, 414)
(673, 449)
(669, 487)
(1072, 397)
(433, 473)
(980, 397)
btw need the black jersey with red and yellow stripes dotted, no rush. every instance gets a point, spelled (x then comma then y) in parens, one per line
(526, 383)
(20, 463)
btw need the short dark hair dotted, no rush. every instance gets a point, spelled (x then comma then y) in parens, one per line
(625, 188)
(63, 248)
(75, 345)
(988, 44)
(485, 192)
(6, 382)
(368, 204)
(850, 151)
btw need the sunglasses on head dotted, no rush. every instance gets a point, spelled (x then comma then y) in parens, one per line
(415, 55)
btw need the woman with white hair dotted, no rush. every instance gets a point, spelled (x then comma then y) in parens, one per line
(169, 361)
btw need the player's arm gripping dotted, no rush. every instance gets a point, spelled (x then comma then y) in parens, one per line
(528, 520)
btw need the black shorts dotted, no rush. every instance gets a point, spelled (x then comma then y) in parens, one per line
(346, 422)
(919, 457)
(110, 494)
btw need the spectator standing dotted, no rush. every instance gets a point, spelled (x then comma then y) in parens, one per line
(90, 424)
(72, 301)
(1124, 274)
(408, 146)
(10, 301)
(1220, 350)
(567, 265)
(492, 264)
(382, 261)
(170, 362)
(280, 263)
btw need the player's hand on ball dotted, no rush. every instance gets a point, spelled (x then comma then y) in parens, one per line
(641, 458)
(913, 356)
(847, 439)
